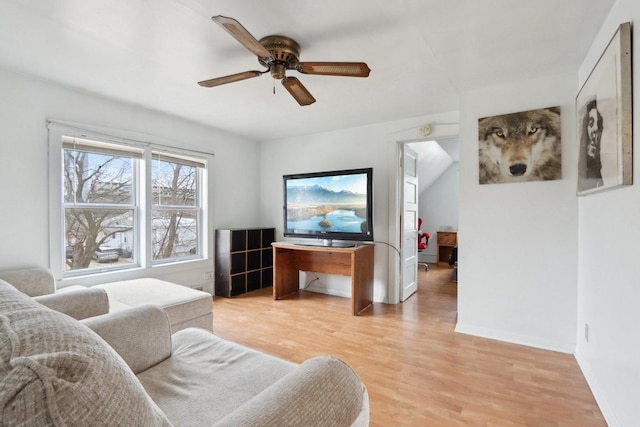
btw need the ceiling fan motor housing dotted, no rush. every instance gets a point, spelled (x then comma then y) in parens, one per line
(285, 53)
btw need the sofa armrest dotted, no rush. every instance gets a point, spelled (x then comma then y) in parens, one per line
(322, 391)
(31, 281)
(79, 304)
(140, 335)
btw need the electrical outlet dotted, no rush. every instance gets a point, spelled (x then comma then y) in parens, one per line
(208, 275)
(586, 332)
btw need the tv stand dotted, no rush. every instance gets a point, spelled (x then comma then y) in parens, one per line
(357, 262)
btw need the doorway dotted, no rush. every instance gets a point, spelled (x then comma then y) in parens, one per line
(437, 181)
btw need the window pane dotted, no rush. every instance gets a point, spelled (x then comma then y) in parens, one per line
(174, 184)
(97, 178)
(104, 199)
(174, 233)
(98, 238)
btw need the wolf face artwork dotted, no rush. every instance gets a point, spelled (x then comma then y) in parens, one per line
(520, 147)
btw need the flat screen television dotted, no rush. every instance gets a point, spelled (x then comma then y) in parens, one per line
(333, 207)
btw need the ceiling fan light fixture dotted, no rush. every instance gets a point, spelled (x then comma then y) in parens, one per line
(278, 70)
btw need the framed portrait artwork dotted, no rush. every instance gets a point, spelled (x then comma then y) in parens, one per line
(604, 119)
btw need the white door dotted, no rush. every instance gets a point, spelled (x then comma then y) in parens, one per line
(409, 223)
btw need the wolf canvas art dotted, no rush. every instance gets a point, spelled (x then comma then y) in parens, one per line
(520, 147)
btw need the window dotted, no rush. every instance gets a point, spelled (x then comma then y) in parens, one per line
(175, 207)
(99, 203)
(123, 206)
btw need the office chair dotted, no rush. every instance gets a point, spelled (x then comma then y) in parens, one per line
(422, 245)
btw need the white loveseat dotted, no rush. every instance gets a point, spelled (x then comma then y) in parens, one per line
(55, 370)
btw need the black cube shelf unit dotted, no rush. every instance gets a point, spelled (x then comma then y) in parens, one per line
(243, 260)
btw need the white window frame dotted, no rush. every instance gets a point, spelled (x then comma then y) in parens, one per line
(101, 147)
(142, 200)
(198, 208)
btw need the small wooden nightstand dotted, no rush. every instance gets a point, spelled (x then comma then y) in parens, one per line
(447, 240)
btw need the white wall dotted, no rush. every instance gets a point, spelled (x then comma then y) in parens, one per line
(26, 105)
(354, 148)
(438, 207)
(608, 285)
(368, 146)
(517, 242)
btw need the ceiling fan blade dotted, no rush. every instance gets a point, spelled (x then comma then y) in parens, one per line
(347, 69)
(298, 91)
(245, 38)
(230, 78)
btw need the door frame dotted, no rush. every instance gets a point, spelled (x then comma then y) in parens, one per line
(395, 186)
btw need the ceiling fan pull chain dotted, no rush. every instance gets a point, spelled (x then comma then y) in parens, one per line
(274, 86)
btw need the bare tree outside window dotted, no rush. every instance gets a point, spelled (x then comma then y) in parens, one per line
(105, 197)
(175, 209)
(98, 212)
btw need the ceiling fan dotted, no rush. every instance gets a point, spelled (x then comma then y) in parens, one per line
(279, 54)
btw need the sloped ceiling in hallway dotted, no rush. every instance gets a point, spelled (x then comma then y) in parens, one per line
(434, 158)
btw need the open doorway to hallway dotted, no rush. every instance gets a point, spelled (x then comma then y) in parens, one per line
(437, 291)
(437, 199)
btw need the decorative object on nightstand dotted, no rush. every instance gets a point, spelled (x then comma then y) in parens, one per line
(243, 260)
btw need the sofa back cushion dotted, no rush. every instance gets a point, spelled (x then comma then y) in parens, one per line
(31, 281)
(55, 371)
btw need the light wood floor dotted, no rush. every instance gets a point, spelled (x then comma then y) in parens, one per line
(417, 370)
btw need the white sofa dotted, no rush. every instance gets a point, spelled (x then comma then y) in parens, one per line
(55, 370)
(185, 307)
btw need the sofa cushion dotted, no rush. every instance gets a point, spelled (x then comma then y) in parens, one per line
(55, 371)
(180, 302)
(207, 377)
(31, 281)
(80, 303)
(301, 398)
(140, 335)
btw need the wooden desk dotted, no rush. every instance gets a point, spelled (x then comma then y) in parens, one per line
(357, 262)
(447, 240)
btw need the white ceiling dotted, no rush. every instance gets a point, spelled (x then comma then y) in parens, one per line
(422, 54)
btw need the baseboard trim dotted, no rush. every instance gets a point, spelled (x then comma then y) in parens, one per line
(526, 340)
(606, 409)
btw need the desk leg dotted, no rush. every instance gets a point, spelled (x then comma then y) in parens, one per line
(285, 274)
(361, 280)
